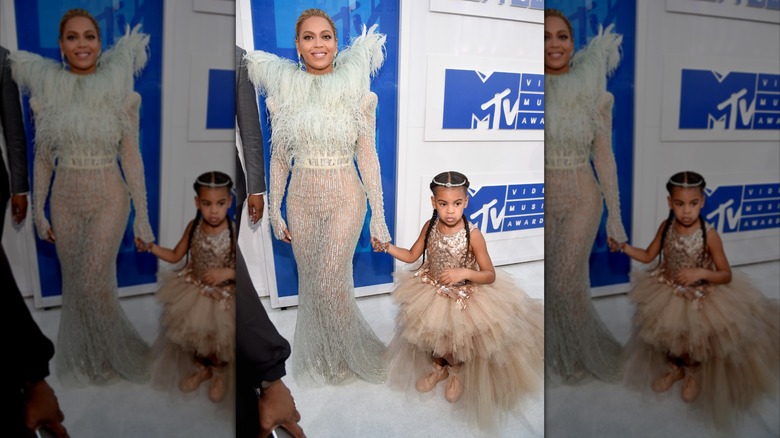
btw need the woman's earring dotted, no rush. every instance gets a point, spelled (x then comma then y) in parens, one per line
(301, 67)
(64, 60)
(334, 57)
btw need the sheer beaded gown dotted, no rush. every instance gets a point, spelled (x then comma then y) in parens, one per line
(322, 125)
(578, 139)
(730, 332)
(85, 126)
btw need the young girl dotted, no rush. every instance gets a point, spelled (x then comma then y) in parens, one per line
(457, 321)
(197, 325)
(695, 321)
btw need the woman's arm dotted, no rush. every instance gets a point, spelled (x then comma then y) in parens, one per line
(175, 254)
(606, 169)
(133, 168)
(277, 178)
(43, 169)
(368, 164)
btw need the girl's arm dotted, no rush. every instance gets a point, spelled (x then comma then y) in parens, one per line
(640, 255)
(486, 273)
(405, 255)
(217, 276)
(722, 272)
(175, 254)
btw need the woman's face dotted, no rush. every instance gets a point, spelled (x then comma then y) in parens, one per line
(317, 45)
(80, 45)
(558, 46)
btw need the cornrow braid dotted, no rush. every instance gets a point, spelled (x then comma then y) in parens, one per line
(669, 221)
(703, 236)
(431, 224)
(468, 239)
(195, 224)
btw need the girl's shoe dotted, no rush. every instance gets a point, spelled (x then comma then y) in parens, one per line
(191, 382)
(429, 381)
(454, 386)
(218, 389)
(690, 388)
(663, 383)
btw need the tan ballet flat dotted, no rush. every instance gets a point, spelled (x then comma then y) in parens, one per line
(663, 383)
(690, 389)
(454, 386)
(429, 381)
(218, 389)
(193, 381)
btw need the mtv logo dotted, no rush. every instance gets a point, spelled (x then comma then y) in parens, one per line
(487, 207)
(711, 100)
(479, 100)
(723, 208)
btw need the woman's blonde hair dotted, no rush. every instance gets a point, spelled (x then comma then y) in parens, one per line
(308, 13)
(78, 13)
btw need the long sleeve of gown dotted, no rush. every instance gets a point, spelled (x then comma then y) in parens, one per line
(133, 169)
(279, 170)
(606, 169)
(368, 164)
(43, 168)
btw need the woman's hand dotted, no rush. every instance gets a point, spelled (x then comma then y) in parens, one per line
(142, 246)
(378, 245)
(287, 236)
(50, 236)
(454, 275)
(614, 245)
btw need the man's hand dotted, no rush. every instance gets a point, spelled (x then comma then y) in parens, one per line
(277, 409)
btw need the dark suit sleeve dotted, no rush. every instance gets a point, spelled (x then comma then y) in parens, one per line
(248, 120)
(13, 127)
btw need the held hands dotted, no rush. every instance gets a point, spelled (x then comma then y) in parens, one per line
(41, 409)
(19, 208)
(378, 245)
(142, 246)
(276, 407)
(615, 246)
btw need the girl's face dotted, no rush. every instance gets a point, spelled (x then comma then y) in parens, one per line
(213, 204)
(558, 46)
(80, 45)
(317, 45)
(449, 203)
(686, 203)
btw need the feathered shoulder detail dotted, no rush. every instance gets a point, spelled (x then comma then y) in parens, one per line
(367, 52)
(600, 58)
(118, 65)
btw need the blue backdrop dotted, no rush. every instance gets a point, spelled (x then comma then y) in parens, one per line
(37, 24)
(273, 24)
(585, 16)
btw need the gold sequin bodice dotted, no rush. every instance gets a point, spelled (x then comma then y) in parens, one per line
(682, 252)
(209, 252)
(446, 252)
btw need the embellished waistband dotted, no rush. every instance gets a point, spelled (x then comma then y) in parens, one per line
(457, 292)
(87, 162)
(565, 162)
(323, 162)
(695, 293)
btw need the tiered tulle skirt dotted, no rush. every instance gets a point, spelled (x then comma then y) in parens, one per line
(733, 332)
(499, 337)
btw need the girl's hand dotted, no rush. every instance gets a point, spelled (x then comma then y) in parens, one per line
(688, 276)
(454, 275)
(287, 236)
(217, 276)
(378, 245)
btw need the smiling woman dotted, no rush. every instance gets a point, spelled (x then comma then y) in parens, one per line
(316, 42)
(86, 126)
